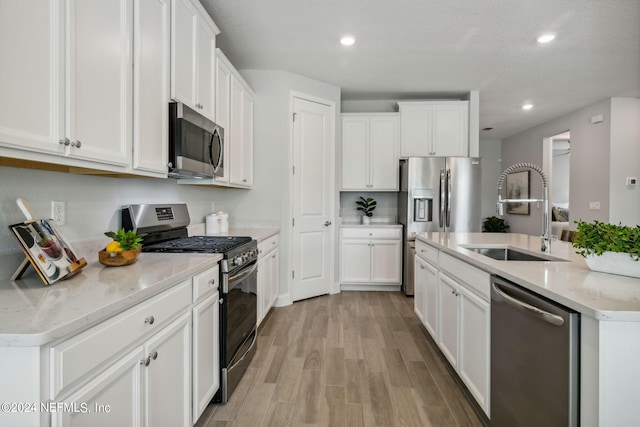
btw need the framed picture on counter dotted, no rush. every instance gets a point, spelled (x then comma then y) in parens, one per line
(46, 250)
(518, 188)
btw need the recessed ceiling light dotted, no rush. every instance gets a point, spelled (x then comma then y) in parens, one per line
(545, 38)
(527, 106)
(347, 40)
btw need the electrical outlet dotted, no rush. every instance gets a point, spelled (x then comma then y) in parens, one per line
(59, 212)
(594, 206)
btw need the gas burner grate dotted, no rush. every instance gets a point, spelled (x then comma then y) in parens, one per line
(204, 244)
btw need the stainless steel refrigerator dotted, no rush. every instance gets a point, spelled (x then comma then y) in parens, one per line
(436, 194)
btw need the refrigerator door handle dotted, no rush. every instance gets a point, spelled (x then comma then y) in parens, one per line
(442, 199)
(448, 221)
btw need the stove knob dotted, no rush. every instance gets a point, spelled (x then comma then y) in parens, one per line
(239, 260)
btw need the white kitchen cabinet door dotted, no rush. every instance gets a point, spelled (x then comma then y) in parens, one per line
(206, 353)
(32, 77)
(355, 153)
(450, 129)
(167, 382)
(356, 261)
(206, 46)
(274, 278)
(222, 93)
(151, 85)
(419, 290)
(240, 138)
(99, 81)
(448, 318)
(415, 130)
(184, 30)
(193, 46)
(114, 397)
(431, 300)
(474, 361)
(386, 260)
(384, 153)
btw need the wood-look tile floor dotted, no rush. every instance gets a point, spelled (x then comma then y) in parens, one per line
(350, 359)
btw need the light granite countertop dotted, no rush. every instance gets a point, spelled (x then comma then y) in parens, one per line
(570, 282)
(34, 314)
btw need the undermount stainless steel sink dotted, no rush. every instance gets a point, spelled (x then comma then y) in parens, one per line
(510, 254)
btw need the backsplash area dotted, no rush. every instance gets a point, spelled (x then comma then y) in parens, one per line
(386, 209)
(93, 203)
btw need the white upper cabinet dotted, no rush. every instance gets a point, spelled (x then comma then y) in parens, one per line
(369, 152)
(223, 96)
(234, 113)
(434, 128)
(66, 83)
(193, 43)
(31, 77)
(239, 136)
(151, 85)
(98, 86)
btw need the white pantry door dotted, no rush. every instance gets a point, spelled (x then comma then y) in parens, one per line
(313, 194)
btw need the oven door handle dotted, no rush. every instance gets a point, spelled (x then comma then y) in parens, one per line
(235, 363)
(240, 276)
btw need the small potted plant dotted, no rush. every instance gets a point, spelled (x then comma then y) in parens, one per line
(367, 207)
(609, 248)
(493, 224)
(123, 250)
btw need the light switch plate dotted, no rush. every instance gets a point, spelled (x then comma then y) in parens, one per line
(594, 206)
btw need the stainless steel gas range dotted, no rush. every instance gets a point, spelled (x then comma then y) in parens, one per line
(165, 227)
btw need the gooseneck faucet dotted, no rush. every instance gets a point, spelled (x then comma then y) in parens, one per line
(545, 239)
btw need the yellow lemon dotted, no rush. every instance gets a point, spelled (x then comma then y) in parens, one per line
(114, 247)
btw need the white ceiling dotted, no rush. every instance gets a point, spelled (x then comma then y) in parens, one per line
(412, 49)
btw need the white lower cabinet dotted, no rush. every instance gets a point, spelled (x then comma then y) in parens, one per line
(268, 275)
(452, 301)
(206, 353)
(370, 255)
(150, 386)
(426, 295)
(156, 363)
(474, 362)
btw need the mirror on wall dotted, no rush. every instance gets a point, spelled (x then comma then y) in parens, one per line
(560, 166)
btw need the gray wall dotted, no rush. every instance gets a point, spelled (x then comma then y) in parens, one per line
(624, 201)
(491, 154)
(590, 167)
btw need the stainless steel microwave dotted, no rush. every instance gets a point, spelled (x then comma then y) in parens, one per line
(196, 144)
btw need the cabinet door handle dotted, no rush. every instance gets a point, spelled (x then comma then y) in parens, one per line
(212, 282)
(327, 223)
(153, 355)
(145, 362)
(422, 267)
(76, 143)
(221, 301)
(149, 320)
(64, 141)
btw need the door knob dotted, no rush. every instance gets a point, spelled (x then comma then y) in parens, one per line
(327, 223)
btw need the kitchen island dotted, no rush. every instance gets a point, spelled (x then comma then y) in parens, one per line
(609, 305)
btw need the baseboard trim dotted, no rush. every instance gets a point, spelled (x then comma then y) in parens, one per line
(283, 300)
(386, 288)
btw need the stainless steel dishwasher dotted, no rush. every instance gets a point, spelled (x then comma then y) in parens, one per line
(534, 359)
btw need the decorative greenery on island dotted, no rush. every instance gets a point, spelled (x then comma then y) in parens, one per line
(599, 237)
(366, 205)
(493, 224)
